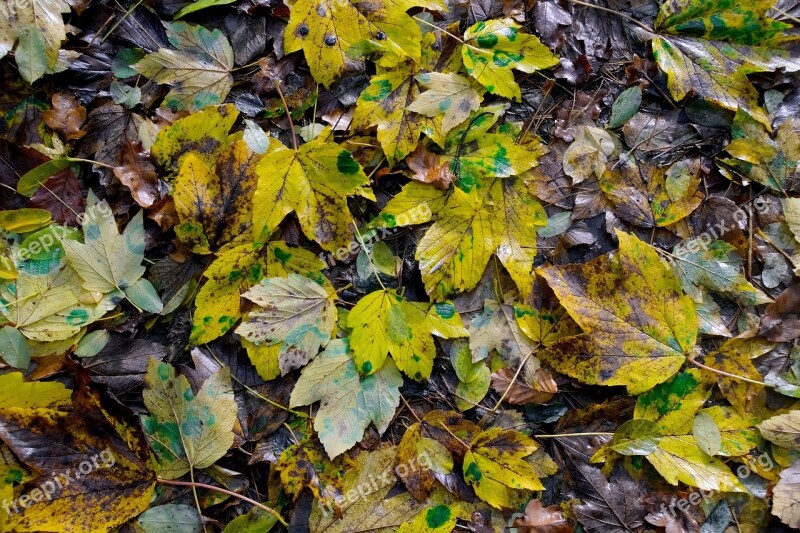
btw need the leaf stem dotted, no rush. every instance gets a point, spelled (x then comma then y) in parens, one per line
(727, 374)
(81, 160)
(288, 115)
(563, 435)
(197, 485)
(434, 26)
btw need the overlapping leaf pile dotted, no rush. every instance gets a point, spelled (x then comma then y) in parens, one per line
(417, 266)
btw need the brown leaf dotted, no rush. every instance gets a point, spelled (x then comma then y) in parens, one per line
(781, 320)
(61, 195)
(537, 388)
(138, 173)
(430, 168)
(66, 117)
(540, 519)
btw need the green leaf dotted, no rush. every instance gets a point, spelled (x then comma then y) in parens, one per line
(706, 434)
(200, 4)
(199, 69)
(348, 402)
(185, 430)
(14, 348)
(169, 518)
(625, 106)
(92, 344)
(296, 314)
(143, 295)
(30, 182)
(636, 437)
(493, 48)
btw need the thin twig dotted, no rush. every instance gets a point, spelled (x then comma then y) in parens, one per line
(288, 115)
(727, 374)
(195, 484)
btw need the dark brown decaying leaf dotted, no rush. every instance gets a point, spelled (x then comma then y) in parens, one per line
(62, 196)
(66, 117)
(608, 506)
(536, 388)
(781, 320)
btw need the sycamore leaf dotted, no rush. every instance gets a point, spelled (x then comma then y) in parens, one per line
(234, 271)
(39, 28)
(214, 203)
(783, 430)
(349, 402)
(305, 466)
(296, 313)
(673, 406)
(447, 429)
(638, 325)
(588, 154)
(384, 322)
(448, 95)
(496, 328)
(437, 519)
(715, 266)
(187, 431)
(54, 436)
(198, 70)
(107, 261)
(385, 102)
(482, 215)
(770, 161)
(325, 30)
(708, 48)
(746, 397)
(493, 48)
(495, 462)
(203, 134)
(312, 181)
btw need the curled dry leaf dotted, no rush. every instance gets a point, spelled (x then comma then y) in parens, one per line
(534, 387)
(66, 117)
(539, 519)
(428, 167)
(781, 321)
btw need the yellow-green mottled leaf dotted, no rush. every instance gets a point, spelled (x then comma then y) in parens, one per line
(638, 325)
(314, 182)
(383, 322)
(39, 27)
(24, 220)
(214, 203)
(234, 271)
(494, 48)
(783, 430)
(437, 519)
(297, 313)
(198, 69)
(495, 463)
(203, 133)
(349, 402)
(185, 430)
(447, 95)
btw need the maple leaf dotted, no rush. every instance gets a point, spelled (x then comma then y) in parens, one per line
(325, 30)
(314, 182)
(638, 324)
(495, 462)
(384, 322)
(349, 402)
(214, 203)
(234, 271)
(203, 134)
(305, 466)
(447, 95)
(496, 328)
(187, 431)
(53, 436)
(108, 261)
(771, 161)
(709, 47)
(37, 27)
(387, 102)
(199, 70)
(493, 48)
(673, 406)
(437, 519)
(482, 215)
(297, 315)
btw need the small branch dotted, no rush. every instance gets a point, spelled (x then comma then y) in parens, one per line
(563, 435)
(727, 374)
(195, 484)
(288, 115)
